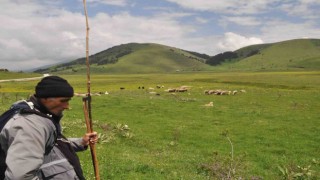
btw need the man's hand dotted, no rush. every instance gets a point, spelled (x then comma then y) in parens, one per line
(90, 138)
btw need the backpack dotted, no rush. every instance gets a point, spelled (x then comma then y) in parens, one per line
(14, 109)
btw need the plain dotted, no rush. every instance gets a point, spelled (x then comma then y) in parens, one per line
(266, 128)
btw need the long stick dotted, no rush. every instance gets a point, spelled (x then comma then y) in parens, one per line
(87, 100)
(92, 146)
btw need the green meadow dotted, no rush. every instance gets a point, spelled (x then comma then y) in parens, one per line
(269, 129)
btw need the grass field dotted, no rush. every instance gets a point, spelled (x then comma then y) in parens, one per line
(270, 131)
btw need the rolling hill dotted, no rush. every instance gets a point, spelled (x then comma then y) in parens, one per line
(299, 54)
(136, 58)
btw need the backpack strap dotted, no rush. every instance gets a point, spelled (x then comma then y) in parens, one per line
(34, 111)
(65, 147)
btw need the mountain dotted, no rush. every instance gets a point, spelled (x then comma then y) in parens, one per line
(155, 58)
(287, 55)
(136, 58)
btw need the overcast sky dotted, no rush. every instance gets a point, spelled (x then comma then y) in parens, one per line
(34, 33)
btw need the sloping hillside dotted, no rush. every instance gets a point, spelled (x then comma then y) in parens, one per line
(287, 55)
(136, 58)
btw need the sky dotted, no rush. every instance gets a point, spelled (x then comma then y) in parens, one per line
(36, 33)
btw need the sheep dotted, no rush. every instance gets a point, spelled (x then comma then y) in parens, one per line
(220, 92)
(80, 94)
(185, 87)
(209, 92)
(181, 90)
(234, 92)
(210, 104)
(92, 94)
(155, 93)
(170, 90)
(212, 92)
(224, 93)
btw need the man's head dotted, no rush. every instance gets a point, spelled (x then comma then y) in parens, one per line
(54, 93)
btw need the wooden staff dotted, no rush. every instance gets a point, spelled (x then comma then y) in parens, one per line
(87, 100)
(86, 111)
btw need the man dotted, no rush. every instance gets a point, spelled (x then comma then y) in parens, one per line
(33, 142)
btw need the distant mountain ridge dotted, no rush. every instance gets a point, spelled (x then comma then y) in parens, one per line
(286, 55)
(156, 58)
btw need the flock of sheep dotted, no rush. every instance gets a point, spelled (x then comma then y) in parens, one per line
(180, 89)
(172, 90)
(206, 92)
(223, 92)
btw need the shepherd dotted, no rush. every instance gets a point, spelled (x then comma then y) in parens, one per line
(32, 143)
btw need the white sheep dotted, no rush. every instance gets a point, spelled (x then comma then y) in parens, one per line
(234, 92)
(210, 104)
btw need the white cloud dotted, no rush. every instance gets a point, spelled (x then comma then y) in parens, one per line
(31, 36)
(278, 30)
(234, 41)
(227, 6)
(124, 28)
(54, 39)
(110, 2)
(304, 9)
(203, 4)
(201, 20)
(240, 20)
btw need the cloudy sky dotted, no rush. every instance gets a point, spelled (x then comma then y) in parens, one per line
(35, 33)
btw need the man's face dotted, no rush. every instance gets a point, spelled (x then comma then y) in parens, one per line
(56, 105)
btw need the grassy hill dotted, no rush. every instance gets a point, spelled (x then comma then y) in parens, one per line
(299, 54)
(136, 58)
